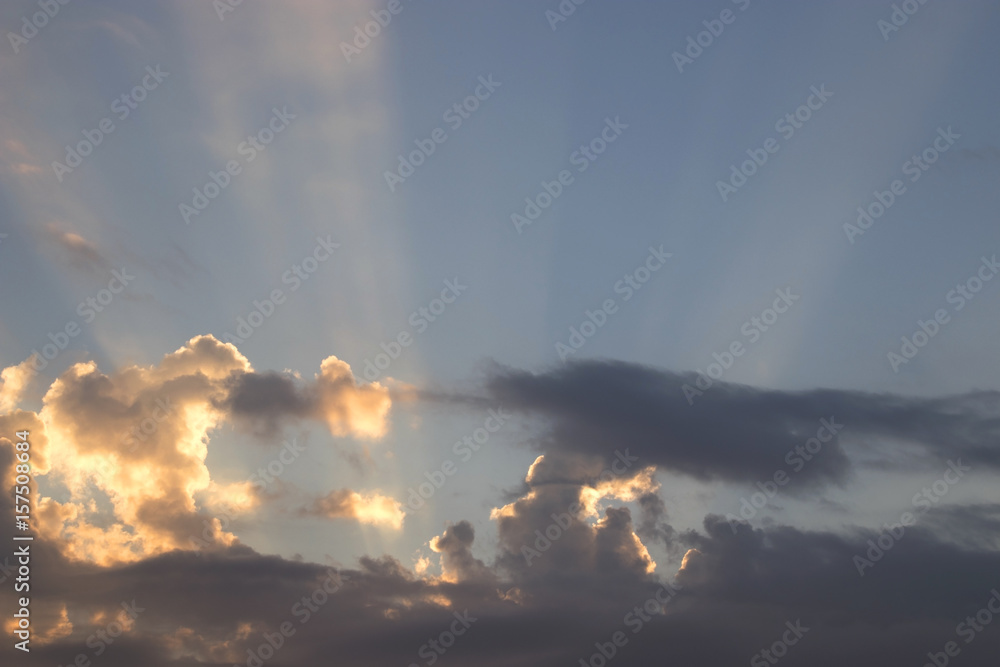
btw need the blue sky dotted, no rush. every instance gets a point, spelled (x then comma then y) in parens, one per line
(655, 186)
(345, 120)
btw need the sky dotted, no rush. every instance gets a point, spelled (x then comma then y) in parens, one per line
(639, 332)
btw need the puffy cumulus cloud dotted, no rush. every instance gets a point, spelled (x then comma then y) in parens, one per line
(625, 489)
(130, 447)
(335, 397)
(13, 382)
(371, 509)
(736, 588)
(202, 355)
(23, 420)
(151, 487)
(617, 545)
(347, 407)
(232, 497)
(457, 562)
(556, 524)
(421, 564)
(734, 595)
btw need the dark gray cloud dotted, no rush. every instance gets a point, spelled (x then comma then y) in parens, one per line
(735, 594)
(654, 526)
(734, 598)
(457, 561)
(264, 400)
(740, 433)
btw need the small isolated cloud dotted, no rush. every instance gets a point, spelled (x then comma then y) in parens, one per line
(373, 509)
(81, 254)
(15, 158)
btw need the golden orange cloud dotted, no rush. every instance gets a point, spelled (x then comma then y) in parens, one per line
(15, 381)
(159, 488)
(350, 408)
(372, 509)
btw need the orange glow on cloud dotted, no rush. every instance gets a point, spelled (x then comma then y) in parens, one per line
(372, 509)
(160, 491)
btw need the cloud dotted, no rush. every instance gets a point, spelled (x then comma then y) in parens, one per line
(814, 572)
(654, 525)
(81, 253)
(556, 524)
(105, 438)
(973, 526)
(15, 381)
(88, 416)
(114, 538)
(265, 401)
(372, 509)
(740, 433)
(18, 160)
(736, 592)
(457, 562)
